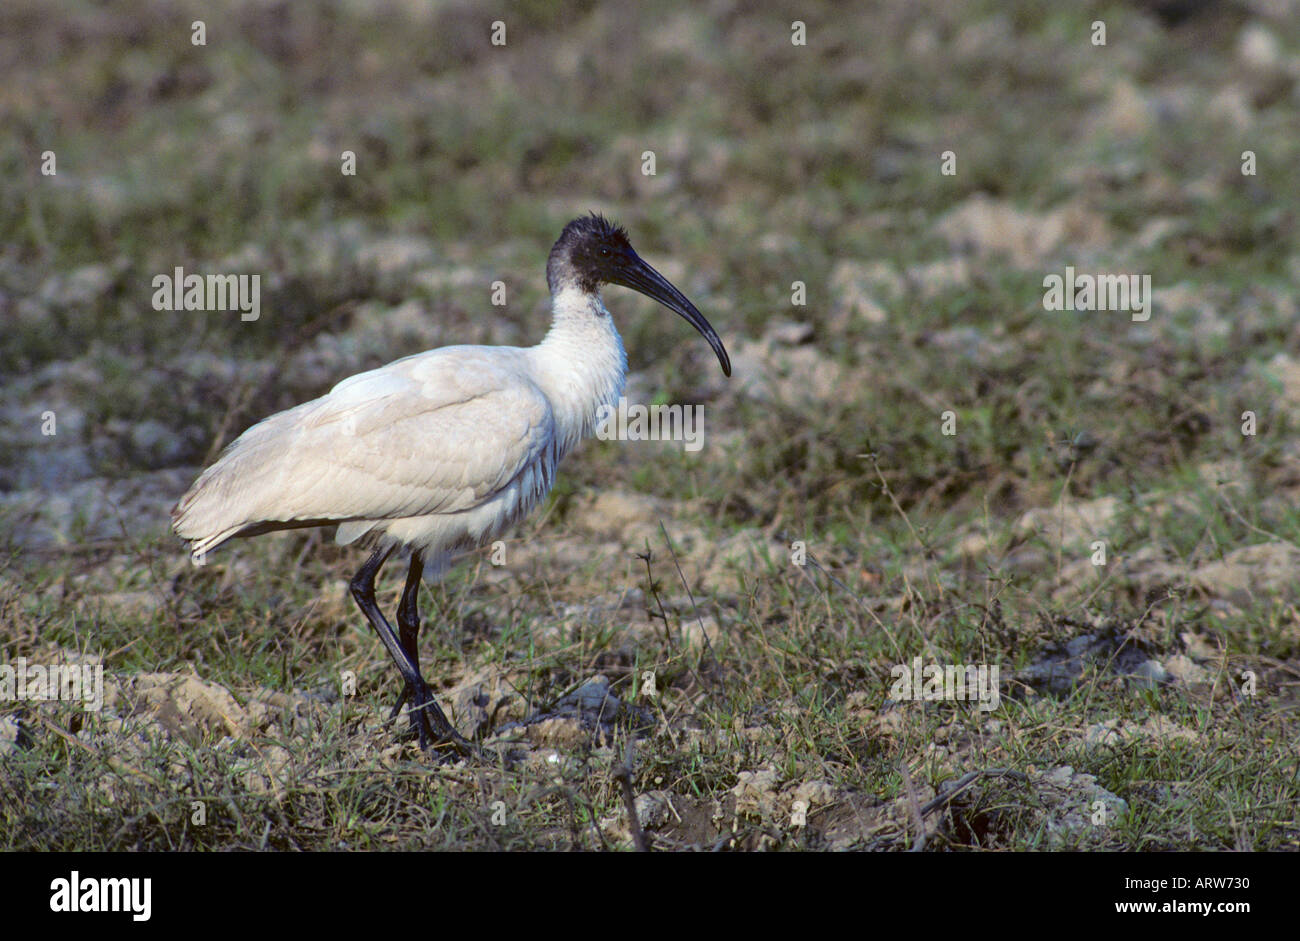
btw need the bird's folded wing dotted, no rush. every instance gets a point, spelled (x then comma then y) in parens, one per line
(428, 434)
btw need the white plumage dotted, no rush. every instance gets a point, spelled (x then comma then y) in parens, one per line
(440, 451)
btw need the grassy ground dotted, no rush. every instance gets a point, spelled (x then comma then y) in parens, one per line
(653, 636)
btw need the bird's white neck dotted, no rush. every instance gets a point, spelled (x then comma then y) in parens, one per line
(580, 363)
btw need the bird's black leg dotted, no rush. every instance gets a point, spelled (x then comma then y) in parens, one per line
(429, 722)
(408, 623)
(424, 707)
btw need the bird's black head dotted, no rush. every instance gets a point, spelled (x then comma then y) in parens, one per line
(589, 252)
(592, 251)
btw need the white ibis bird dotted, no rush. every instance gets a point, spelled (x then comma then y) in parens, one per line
(437, 452)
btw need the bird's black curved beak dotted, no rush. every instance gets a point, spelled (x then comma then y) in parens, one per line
(640, 277)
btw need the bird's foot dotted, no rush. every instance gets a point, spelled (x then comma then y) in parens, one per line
(430, 726)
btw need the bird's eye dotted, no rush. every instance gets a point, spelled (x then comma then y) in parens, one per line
(604, 253)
